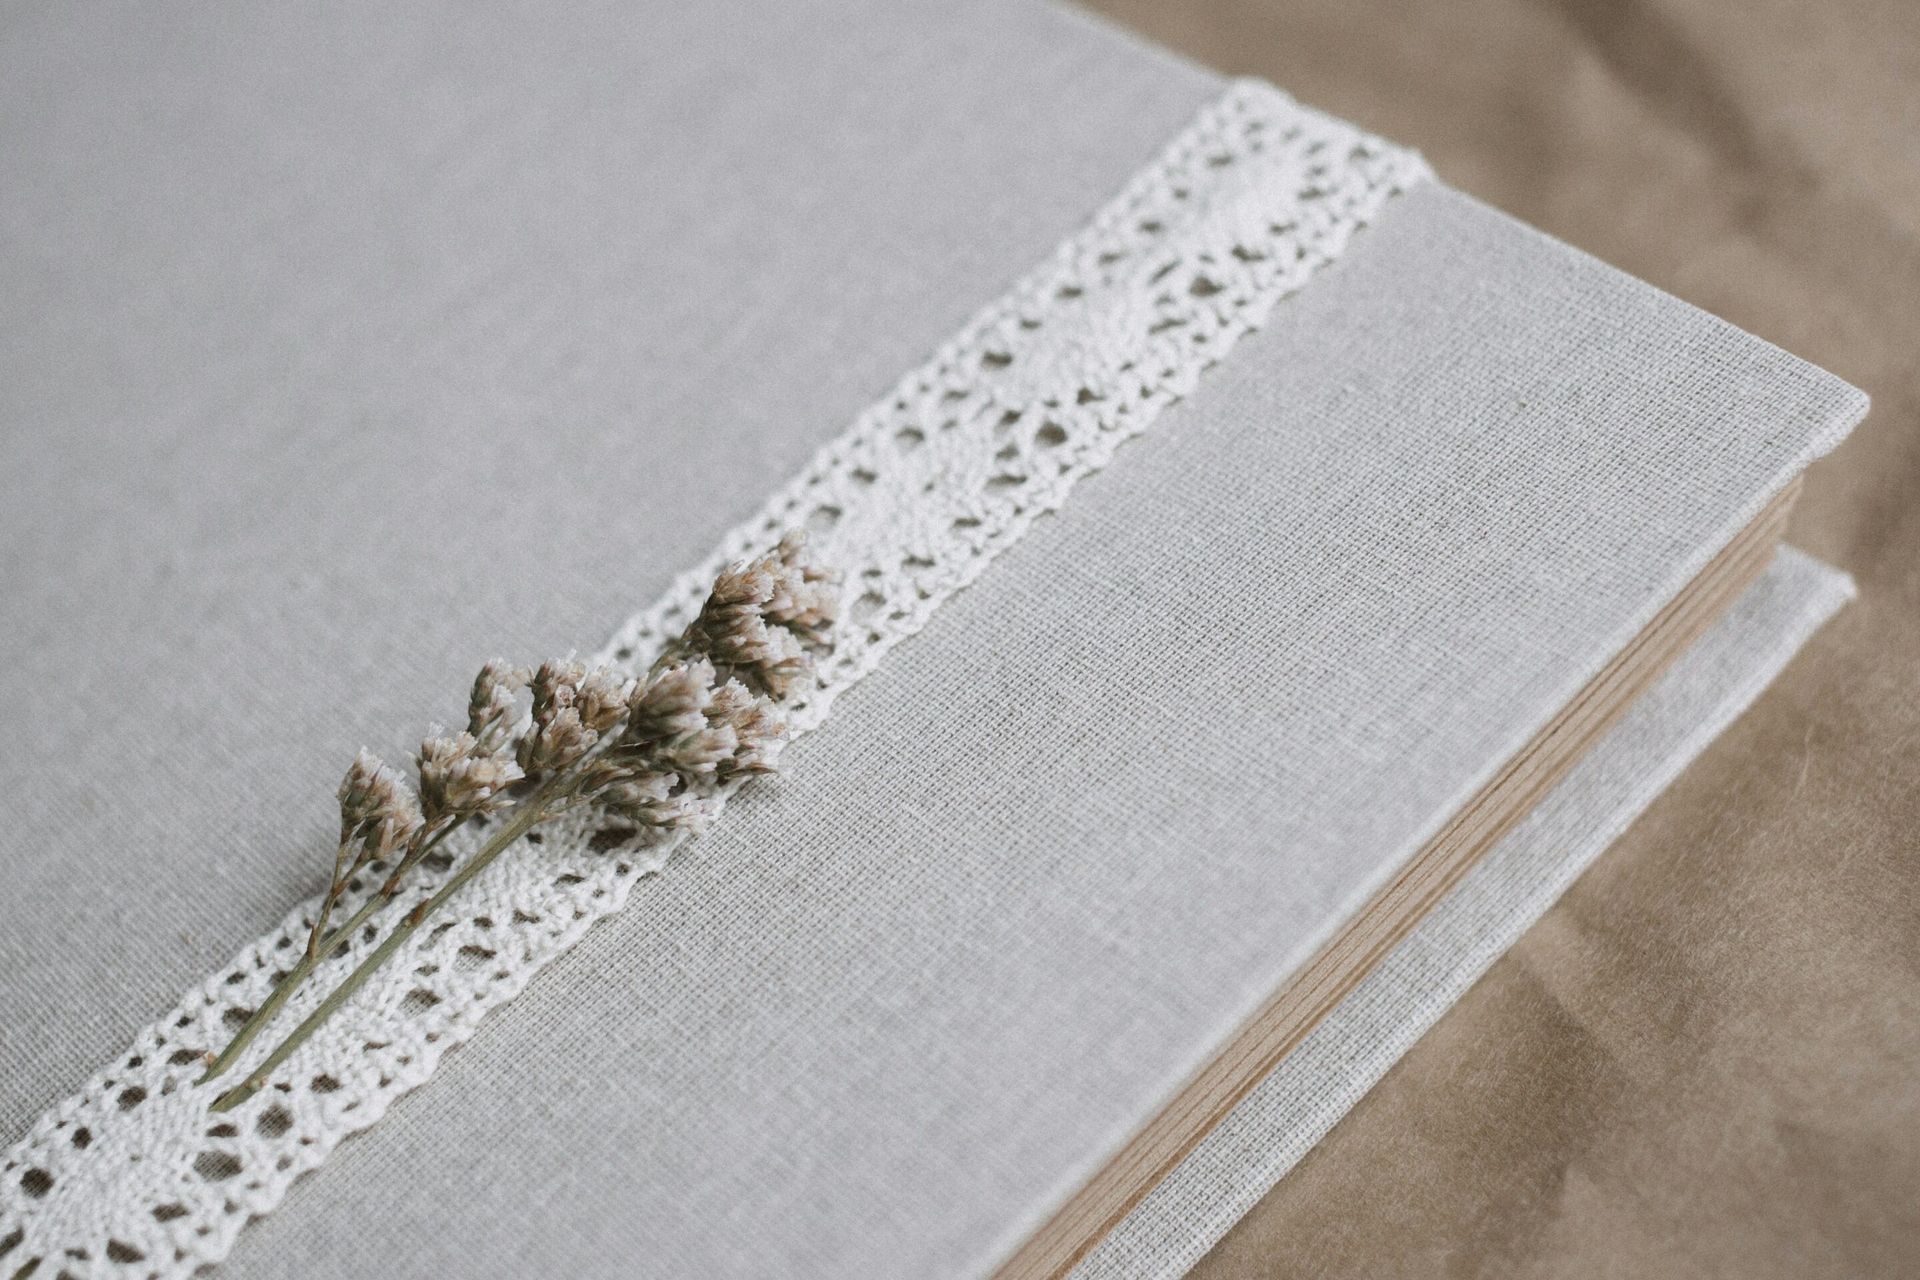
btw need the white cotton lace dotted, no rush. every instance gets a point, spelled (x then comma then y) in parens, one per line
(134, 1175)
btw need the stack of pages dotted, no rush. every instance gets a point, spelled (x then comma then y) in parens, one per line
(1272, 576)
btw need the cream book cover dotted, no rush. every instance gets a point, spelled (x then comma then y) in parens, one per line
(1296, 568)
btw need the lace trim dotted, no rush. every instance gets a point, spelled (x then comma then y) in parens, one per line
(133, 1176)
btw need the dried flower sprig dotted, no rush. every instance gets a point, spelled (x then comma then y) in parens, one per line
(657, 751)
(377, 815)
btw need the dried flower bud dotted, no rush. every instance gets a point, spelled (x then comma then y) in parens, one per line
(758, 614)
(669, 704)
(554, 687)
(389, 833)
(769, 656)
(782, 666)
(493, 705)
(805, 597)
(760, 732)
(660, 800)
(601, 699)
(558, 735)
(375, 804)
(739, 591)
(559, 742)
(773, 659)
(729, 702)
(734, 606)
(699, 752)
(458, 777)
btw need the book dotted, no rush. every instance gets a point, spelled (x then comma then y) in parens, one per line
(1093, 854)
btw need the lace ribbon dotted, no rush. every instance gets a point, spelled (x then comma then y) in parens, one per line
(135, 1176)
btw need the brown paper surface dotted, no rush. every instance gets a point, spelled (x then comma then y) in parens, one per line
(1706, 1059)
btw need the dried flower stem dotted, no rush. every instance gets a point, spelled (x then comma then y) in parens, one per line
(529, 815)
(316, 952)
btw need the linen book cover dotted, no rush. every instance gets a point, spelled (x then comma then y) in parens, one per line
(1263, 577)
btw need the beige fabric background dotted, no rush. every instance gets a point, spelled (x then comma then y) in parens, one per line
(1706, 1059)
